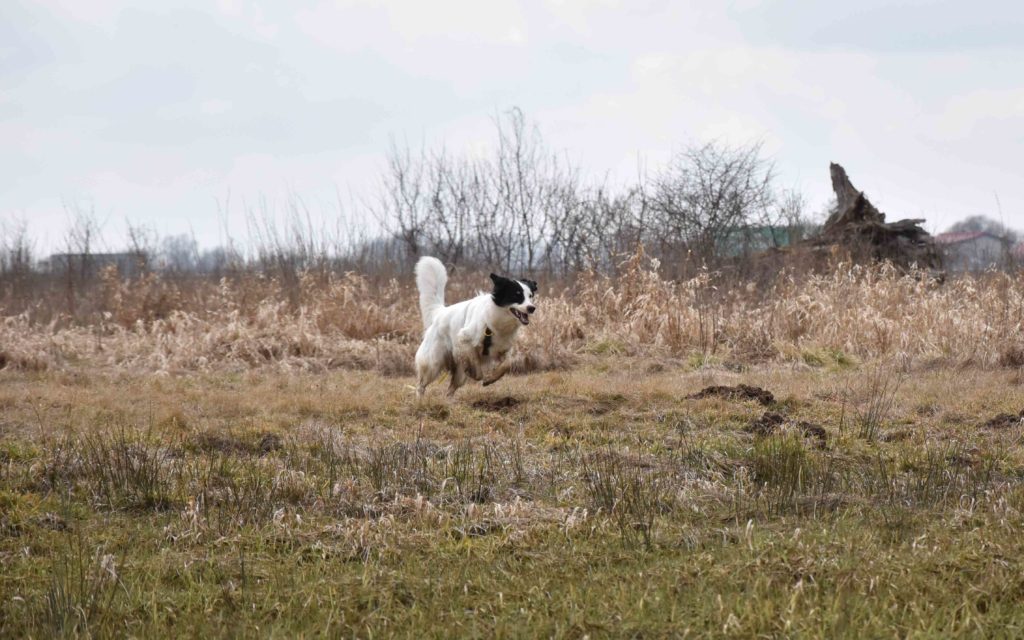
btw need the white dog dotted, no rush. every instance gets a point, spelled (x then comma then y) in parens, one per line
(470, 338)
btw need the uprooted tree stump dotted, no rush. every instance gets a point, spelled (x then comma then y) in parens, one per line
(861, 228)
(857, 232)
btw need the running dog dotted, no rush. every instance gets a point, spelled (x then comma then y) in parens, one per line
(468, 339)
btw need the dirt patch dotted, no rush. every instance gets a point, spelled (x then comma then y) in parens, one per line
(596, 405)
(767, 424)
(209, 442)
(962, 460)
(268, 443)
(1004, 421)
(1012, 357)
(228, 444)
(606, 403)
(926, 409)
(739, 392)
(496, 404)
(771, 422)
(896, 435)
(814, 431)
(53, 522)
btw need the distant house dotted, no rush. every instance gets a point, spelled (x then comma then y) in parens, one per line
(90, 264)
(973, 250)
(1017, 253)
(755, 238)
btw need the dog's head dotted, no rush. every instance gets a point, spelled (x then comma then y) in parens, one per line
(514, 295)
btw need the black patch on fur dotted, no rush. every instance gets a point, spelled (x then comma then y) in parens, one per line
(507, 292)
(531, 284)
(488, 341)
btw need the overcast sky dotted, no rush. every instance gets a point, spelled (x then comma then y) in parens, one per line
(157, 115)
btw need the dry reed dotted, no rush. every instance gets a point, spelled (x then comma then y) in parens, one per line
(348, 321)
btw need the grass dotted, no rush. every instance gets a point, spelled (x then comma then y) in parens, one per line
(587, 502)
(327, 321)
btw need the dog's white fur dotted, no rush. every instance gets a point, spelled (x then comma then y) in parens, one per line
(453, 337)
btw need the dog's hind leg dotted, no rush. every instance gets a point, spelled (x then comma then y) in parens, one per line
(424, 376)
(428, 368)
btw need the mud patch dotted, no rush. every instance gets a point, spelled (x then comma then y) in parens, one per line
(813, 431)
(896, 435)
(227, 444)
(435, 411)
(739, 392)
(767, 424)
(606, 403)
(1004, 421)
(268, 443)
(498, 405)
(771, 422)
(53, 522)
(1012, 357)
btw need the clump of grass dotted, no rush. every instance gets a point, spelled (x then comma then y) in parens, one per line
(81, 591)
(825, 357)
(790, 477)
(932, 476)
(882, 385)
(628, 492)
(120, 469)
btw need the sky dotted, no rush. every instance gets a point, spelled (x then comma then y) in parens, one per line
(180, 119)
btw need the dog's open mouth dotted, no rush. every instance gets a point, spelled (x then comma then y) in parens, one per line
(520, 316)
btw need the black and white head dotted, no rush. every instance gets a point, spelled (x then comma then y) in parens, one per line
(514, 295)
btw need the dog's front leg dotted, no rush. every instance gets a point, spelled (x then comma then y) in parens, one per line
(458, 378)
(465, 354)
(498, 372)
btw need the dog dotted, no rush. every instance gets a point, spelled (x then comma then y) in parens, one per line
(469, 339)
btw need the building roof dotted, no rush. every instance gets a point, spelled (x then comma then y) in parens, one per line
(956, 237)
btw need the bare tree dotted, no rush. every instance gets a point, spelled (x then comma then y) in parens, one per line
(142, 243)
(179, 253)
(400, 209)
(16, 249)
(505, 209)
(706, 196)
(16, 257)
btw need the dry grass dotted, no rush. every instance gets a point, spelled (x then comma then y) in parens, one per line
(608, 499)
(241, 458)
(344, 321)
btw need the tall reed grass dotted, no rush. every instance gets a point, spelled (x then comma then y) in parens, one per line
(351, 321)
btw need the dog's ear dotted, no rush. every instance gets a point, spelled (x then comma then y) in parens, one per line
(498, 280)
(531, 284)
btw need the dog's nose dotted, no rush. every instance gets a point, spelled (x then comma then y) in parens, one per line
(530, 309)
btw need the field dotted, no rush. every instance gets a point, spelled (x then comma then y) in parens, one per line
(265, 470)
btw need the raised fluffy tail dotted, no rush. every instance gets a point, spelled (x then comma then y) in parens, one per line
(431, 278)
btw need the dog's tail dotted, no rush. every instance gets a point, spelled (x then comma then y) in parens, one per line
(431, 278)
